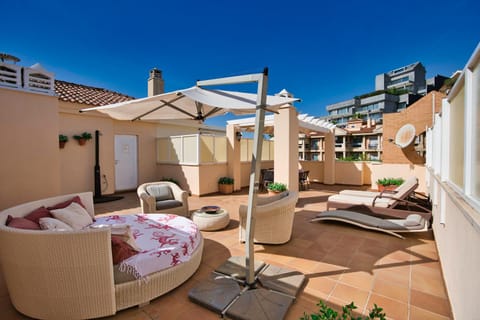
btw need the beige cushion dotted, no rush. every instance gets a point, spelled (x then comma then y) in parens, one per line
(74, 215)
(413, 220)
(53, 224)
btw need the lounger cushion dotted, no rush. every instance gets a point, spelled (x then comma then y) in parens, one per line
(413, 220)
(74, 215)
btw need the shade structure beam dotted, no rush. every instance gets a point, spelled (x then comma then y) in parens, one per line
(164, 104)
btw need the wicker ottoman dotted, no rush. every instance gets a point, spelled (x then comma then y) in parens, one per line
(211, 221)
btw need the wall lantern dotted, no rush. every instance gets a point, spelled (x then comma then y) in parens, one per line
(238, 135)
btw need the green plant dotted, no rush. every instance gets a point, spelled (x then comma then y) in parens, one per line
(327, 313)
(225, 180)
(390, 181)
(85, 135)
(62, 138)
(277, 187)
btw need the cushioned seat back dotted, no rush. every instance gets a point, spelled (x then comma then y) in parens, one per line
(160, 192)
(407, 187)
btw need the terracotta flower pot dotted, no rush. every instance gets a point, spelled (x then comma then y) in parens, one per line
(225, 188)
(61, 144)
(390, 187)
(81, 141)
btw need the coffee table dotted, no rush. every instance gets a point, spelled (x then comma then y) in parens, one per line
(211, 218)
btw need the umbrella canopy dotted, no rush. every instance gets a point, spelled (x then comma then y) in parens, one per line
(192, 103)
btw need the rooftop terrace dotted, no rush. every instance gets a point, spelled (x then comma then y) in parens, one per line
(342, 264)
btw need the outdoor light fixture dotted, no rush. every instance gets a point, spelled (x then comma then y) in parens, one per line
(238, 135)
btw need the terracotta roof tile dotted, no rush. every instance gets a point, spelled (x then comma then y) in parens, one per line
(78, 93)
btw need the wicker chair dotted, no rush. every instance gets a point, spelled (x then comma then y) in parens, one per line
(273, 218)
(164, 197)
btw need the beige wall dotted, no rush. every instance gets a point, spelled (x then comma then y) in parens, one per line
(457, 236)
(29, 144)
(349, 172)
(383, 170)
(77, 162)
(315, 168)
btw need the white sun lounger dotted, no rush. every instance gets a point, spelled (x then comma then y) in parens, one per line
(412, 223)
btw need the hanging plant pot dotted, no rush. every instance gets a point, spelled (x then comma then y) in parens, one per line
(62, 139)
(82, 138)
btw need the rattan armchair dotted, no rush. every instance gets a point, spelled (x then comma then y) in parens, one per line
(273, 218)
(164, 197)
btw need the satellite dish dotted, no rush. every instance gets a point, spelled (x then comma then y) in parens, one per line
(405, 135)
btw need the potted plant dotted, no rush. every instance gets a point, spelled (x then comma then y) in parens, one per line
(62, 139)
(225, 185)
(82, 138)
(276, 187)
(389, 183)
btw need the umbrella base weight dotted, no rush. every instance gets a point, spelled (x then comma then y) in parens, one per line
(269, 297)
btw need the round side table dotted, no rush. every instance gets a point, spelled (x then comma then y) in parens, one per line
(211, 221)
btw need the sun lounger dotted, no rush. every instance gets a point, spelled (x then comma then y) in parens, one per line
(412, 223)
(379, 202)
(407, 187)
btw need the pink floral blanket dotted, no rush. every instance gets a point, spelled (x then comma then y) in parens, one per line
(165, 241)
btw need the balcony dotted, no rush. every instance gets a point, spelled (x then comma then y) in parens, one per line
(342, 264)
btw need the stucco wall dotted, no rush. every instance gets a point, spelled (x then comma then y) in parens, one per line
(77, 162)
(29, 144)
(457, 235)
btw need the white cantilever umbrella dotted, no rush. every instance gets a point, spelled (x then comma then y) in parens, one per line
(198, 103)
(195, 103)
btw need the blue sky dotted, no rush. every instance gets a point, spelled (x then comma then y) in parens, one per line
(321, 51)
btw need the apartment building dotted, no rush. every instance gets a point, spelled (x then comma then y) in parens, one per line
(394, 91)
(359, 140)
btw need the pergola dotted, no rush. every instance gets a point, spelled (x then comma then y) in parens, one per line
(286, 143)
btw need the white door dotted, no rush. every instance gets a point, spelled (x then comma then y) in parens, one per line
(126, 169)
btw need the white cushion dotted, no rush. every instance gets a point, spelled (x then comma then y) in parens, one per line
(53, 224)
(74, 215)
(413, 220)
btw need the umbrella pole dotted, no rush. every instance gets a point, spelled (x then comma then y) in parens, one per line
(254, 175)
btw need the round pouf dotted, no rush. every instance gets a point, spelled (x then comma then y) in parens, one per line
(211, 221)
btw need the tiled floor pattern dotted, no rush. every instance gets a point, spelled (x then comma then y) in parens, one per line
(341, 263)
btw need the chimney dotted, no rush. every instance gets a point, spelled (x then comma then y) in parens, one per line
(155, 82)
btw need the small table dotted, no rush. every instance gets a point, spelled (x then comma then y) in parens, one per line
(211, 221)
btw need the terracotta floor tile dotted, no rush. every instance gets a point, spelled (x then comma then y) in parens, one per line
(390, 290)
(430, 303)
(421, 314)
(399, 276)
(348, 294)
(359, 279)
(320, 287)
(393, 309)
